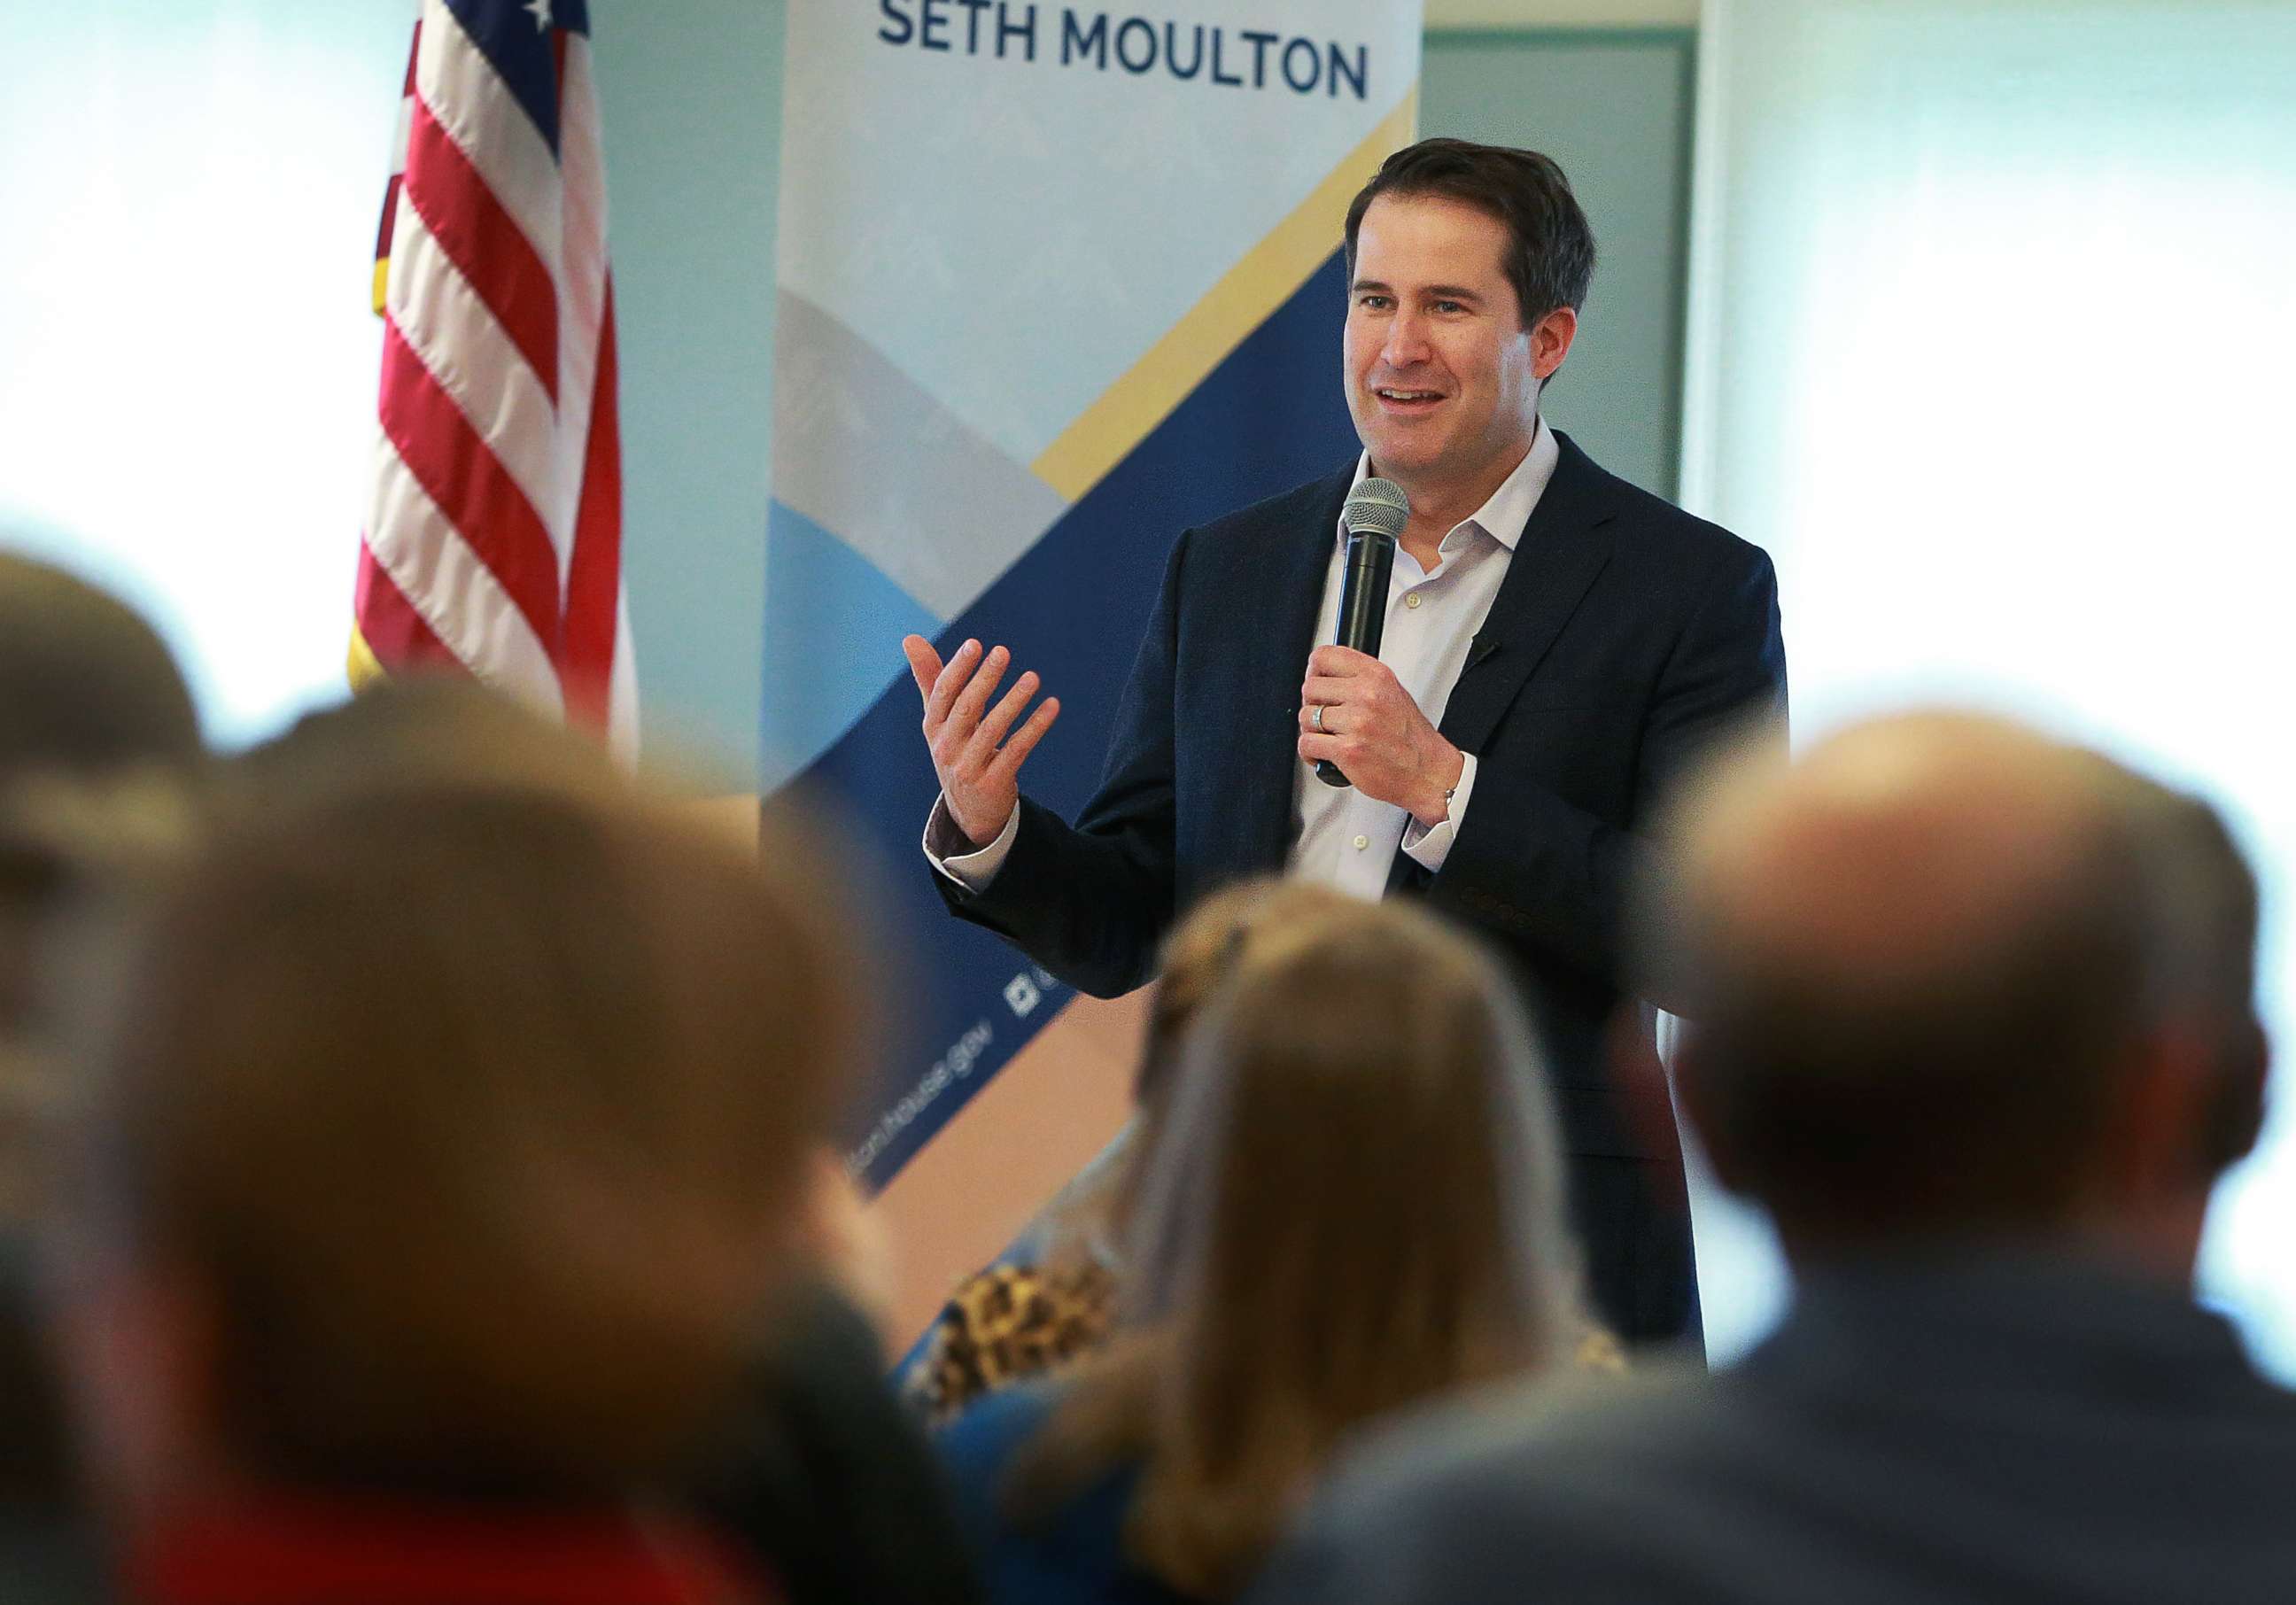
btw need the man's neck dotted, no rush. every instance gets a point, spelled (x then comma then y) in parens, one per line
(2159, 1246)
(1438, 509)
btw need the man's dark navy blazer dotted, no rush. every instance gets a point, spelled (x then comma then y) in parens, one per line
(1625, 636)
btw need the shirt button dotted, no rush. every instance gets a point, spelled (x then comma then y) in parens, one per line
(1362, 842)
(1411, 600)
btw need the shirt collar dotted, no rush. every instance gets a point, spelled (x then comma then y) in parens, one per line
(1509, 507)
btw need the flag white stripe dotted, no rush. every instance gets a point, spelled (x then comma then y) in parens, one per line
(398, 135)
(438, 572)
(622, 688)
(456, 82)
(456, 336)
(582, 275)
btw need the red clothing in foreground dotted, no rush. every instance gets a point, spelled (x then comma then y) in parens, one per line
(382, 1552)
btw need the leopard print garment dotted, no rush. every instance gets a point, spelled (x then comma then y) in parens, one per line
(1008, 1324)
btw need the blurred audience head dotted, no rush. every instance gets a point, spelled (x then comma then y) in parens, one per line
(97, 733)
(413, 731)
(86, 687)
(451, 1127)
(1951, 978)
(1354, 1203)
(99, 746)
(1223, 933)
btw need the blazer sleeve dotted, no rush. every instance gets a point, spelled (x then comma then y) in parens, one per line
(1541, 873)
(1091, 902)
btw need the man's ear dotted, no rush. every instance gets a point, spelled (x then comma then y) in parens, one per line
(2193, 1108)
(2234, 1115)
(1550, 340)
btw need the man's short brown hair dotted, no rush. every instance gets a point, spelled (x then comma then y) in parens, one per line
(1550, 259)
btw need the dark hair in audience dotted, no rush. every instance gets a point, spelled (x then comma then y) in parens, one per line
(86, 686)
(99, 746)
(416, 731)
(481, 1104)
(1356, 1204)
(1550, 259)
(1970, 1099)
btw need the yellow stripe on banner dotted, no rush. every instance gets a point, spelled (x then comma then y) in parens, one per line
(1242, 299)
(381, 282)
(364, 667)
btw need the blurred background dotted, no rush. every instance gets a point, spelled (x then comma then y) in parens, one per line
(1975, 313)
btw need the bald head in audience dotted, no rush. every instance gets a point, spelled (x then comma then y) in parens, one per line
(1954, 979)
(1974, 1019)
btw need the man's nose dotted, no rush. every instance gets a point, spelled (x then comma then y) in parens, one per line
(1406, 340)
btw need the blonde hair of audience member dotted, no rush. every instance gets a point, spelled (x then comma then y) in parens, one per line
(1356, 1204)
(1219, 935)
(454, 1133)
(1010, 1323)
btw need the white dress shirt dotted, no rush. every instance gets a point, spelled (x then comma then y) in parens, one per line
(1347, 839)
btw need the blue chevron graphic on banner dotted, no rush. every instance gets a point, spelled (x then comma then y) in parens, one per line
(1072, 608)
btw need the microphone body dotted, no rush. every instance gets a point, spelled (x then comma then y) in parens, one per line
(1363, 609)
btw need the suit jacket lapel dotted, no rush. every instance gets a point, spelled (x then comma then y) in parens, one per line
(1562, 548)
(1278, 638)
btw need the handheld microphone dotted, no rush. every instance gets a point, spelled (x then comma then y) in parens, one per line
(1374, 516)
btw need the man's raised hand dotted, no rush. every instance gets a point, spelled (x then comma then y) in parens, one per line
(979, 764)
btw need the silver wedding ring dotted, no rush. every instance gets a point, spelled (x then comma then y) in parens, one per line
(1317, 719)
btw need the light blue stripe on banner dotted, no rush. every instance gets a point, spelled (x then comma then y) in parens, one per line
(1266, 419)
(833, 628)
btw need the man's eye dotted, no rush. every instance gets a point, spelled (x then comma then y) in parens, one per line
(1373, 302)
(1450, 307)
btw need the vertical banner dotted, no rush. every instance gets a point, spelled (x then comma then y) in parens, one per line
(1055, 282)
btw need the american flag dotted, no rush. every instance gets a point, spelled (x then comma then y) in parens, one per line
(494, 529)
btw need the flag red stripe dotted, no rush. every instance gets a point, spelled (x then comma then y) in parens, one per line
(461, 473)
(593, 575)
(400, 637)
(484, 242)
(389, 218)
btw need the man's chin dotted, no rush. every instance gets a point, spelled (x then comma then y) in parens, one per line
(1399, 460)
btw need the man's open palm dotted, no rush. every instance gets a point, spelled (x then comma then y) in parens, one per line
(979, 764)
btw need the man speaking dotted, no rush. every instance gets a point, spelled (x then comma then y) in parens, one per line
(1556, 645)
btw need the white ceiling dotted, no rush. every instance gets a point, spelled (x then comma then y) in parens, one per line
(1562, 14)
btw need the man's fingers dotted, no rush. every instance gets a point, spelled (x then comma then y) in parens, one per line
(925, 663)
(1340, 661)
(1025, 739)
(974, 697)
(1324, 688)
(1008, 708)
(950, 681)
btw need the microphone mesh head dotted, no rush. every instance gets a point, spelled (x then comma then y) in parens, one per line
(1376, 507)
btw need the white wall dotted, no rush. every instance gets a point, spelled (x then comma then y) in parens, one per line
(1561, 13)
(187, 357)
(1990, 338)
